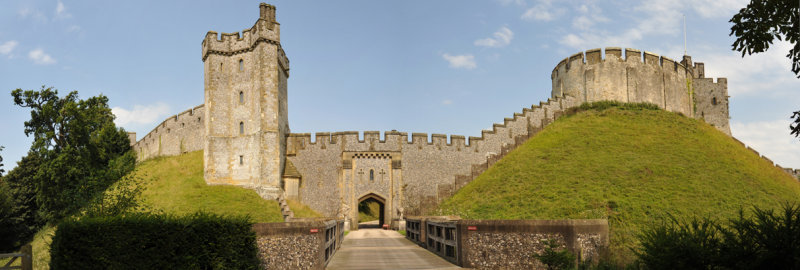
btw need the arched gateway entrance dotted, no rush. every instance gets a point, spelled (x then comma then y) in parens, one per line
(374, 178)
(371, 206)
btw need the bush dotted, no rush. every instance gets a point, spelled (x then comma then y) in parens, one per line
(677, 245)
(766, 240)
(148, 241)
(607, 104)
(553, 259)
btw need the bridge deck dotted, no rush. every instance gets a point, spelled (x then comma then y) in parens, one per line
(384, 249)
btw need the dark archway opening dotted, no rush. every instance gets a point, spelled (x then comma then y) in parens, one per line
(371, 210)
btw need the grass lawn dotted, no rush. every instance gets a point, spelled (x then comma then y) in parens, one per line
(632, 167)
(175, 185)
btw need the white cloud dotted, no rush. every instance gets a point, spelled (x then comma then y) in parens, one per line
(501, 38)
(447, 102)
(8, 46)
(32, 13)
(61, 11)
(542, 11)
(753, 73)
(509, 2)
(657, 18)
(771, 139)
(73, 28)
(718, 8)
(140, 115)
(41, 58)
(465, 61)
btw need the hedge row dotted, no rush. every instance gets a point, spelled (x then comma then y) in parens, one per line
(200, 241)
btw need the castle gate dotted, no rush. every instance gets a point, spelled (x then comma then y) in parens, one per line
(371, 175)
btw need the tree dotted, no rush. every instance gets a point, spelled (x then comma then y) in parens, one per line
(21, 216)
(1, 163)
(760, 23)
(81, 151)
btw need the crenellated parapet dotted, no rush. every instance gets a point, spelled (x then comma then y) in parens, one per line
(265, 30)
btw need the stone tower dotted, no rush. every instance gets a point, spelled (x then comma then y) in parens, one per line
(246, 120)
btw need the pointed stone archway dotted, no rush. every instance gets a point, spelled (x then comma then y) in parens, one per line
(382, 209)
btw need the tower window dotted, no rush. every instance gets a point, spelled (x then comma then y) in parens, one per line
(241, 160)
(241, 97)
(220, 66)
(241, 128)
(371, 175)
(714, 101)
(241, 65)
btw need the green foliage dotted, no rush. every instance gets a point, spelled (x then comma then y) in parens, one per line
(628, 166)
(795, 126)
(765, 240)
(22, 215)
(122, 198)
(677, 245)
(81, 151)
(768, 239)
(9, 240)
(607, 104)
(762, 21)
(554, 259)
(369, 210)
(146, 241)
(1, 165)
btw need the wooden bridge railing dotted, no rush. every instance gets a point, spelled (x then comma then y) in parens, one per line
(25, 257)
(442, 240)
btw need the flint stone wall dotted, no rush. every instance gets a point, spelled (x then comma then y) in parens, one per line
(292, 245)
(511, 244)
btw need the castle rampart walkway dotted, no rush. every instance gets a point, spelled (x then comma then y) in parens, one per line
(384, 249)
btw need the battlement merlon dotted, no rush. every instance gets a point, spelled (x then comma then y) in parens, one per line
(266, 29)
(595, 56)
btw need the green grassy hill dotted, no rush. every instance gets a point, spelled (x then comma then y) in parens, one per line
(175, 185)
(632, 166)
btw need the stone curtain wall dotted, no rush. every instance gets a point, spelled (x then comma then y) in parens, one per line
(793, 172)
(178, 134)
(432, 170)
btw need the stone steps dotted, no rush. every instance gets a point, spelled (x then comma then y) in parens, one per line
(286, 212)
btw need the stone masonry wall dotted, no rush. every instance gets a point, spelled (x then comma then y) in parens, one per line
(429, 167)
(246, 105)
(176, 135)
(636, 78)
(711, 102)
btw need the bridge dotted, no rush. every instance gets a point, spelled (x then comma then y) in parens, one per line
(384, 249)
(431, 242)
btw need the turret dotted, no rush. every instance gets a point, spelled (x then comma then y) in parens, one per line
(246, 119)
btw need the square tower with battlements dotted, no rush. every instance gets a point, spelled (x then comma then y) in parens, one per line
(246, 120)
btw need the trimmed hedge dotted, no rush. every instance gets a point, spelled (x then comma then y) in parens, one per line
(147, 241)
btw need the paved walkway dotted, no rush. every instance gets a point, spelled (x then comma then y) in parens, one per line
(384, 249)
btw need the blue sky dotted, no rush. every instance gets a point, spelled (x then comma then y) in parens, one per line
(450, 67)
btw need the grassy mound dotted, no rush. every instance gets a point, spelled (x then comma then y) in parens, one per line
(633, 165)
(175, 185)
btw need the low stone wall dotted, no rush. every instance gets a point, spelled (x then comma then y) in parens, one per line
(505, 244)
(307, 244)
